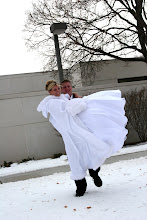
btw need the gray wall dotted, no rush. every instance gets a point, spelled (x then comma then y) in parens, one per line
(109, 71)
(24, 132)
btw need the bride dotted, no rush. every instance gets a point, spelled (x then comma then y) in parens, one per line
(92, 128)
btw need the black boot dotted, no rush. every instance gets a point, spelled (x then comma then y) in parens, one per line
(81, 187)
(94, 174)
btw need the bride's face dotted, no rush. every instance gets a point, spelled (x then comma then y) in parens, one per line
(56, 91)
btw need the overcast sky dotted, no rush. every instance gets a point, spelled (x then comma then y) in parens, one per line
(14, 57)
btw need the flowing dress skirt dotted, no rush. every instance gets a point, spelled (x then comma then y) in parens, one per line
(105, 118)
(92, 127)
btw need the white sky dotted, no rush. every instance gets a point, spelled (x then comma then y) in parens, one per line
(14, 57)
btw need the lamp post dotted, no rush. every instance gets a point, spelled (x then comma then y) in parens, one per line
(57, 29)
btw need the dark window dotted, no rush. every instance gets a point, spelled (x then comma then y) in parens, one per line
(131, 79)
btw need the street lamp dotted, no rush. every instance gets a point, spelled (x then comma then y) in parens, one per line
(56, 29)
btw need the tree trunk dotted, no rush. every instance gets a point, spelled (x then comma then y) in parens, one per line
(141, 27)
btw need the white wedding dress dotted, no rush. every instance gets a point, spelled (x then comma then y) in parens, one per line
(92, 127)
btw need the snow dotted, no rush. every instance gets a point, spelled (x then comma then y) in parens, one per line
(122, 196)
(33, 165)
(48, 163)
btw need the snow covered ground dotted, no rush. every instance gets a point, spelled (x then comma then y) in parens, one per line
(123, 195)
(47, 163)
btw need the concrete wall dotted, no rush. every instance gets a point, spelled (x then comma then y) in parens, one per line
(24, 132)
(108, 72)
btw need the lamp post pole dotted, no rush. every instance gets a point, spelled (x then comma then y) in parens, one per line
(59, 63)
(56, 29)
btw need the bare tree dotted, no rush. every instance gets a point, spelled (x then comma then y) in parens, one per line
(136, 111)
(97, 29)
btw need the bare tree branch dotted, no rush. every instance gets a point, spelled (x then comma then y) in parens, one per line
(97, 29)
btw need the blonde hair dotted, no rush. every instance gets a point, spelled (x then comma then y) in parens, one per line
(50, 84)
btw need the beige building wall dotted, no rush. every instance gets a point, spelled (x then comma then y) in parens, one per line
(24, 132)
(109, 71)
